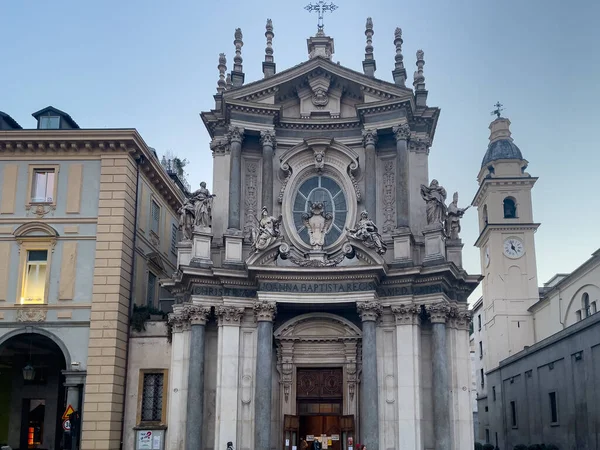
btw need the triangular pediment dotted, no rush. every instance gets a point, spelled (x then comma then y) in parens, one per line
(316, 87)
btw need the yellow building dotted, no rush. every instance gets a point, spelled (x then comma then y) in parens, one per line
(88, 224)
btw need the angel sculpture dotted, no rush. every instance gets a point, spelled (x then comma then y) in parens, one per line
(366, 232)
(318, 223)
(268, 230)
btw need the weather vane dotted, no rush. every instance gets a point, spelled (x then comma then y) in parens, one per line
(498, 109)
(320, 7)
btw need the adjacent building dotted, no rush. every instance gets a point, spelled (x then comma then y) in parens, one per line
(88, 222)
(537, 360)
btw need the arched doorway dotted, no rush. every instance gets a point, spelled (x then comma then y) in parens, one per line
(32, 395)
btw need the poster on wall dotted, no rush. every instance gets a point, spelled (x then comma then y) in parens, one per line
(144, 440)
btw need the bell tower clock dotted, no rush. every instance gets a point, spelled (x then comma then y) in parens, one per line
(507, 246)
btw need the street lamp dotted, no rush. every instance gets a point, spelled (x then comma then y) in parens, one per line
(28, 370)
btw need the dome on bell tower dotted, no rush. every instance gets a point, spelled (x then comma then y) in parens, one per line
(501, 145)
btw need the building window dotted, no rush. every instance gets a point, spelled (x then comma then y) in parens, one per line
(494, 393)
(513, 414)
(34, 282)
(151, 294)
(593, 307)
(174, 238)
(585, 304)
(578, 315)
(480, 350)
(155, 217)
(510, 208)
(482, 377)
(553, 408)
(49, 122)
(479, 321)
(152, 397)
(42, 189)
(487, 435)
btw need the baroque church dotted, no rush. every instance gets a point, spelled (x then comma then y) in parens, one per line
(320, 294)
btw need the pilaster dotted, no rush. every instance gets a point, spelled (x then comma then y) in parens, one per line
(402, 133)
(369, 142)
(267, 139)
(235, 137)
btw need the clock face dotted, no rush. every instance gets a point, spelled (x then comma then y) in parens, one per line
(513, 248)
(487, 256)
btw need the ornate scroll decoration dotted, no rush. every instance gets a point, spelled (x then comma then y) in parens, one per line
(196, 314)
(389, 200)
(235, 134)
(229, 315)
(438, 312)
(288, 171)
(31, 315)
(40, 210)
(319, 158)
(401, 132)
(352, 379)
(407, 314)
(369, 311)
(285, 253)
(285, 355)
(265, 311)
(251, 199)
(351, 169)
(320, 98)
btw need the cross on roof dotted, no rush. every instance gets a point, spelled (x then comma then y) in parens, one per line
(321, 7)
(498, 109)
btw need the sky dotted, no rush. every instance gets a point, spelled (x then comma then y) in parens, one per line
(152, 65)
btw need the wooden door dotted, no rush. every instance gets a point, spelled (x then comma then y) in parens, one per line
(290, 432)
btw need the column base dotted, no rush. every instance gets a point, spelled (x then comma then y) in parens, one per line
(403, 247)
(454, 251)
(435, 248)
(201, 256)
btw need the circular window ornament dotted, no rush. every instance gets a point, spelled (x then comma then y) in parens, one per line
(320, 189)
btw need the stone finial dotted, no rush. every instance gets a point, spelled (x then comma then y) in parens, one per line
(369, 65)
(269, 62)
(221, 84)
(399, 72)
(237, 74)
(419, 80)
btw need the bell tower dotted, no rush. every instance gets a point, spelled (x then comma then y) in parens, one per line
(507, 246)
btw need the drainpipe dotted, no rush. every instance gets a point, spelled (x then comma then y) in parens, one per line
(139, 161)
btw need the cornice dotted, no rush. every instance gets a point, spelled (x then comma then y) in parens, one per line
(514, 227)
(500, 181)
(319, 124)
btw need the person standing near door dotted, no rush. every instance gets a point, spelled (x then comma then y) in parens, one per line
(303, 444)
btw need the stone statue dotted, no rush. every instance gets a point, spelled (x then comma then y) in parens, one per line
(318, 223)
(366, 232)
(435, 198)
(454, 214)
(187, 217)
(202, 199)
(268, 231)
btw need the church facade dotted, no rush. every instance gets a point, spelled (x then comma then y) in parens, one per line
(320, 293)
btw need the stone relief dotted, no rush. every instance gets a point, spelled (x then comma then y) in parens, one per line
(454, 214)
(366, 232)
(31, 315)
(267, 232)
(389, 200)
(318, 223)
(319, 158)
(251, 199)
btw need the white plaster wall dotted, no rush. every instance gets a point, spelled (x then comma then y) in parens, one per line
(147, 350)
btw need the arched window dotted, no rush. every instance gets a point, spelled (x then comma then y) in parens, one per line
(585, 305)
(510, 208)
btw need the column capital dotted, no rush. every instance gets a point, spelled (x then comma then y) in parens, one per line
(401, 132)
(369, 137)
(197, 314)
(438, 312)
(219, 145)
(235, 134)
(407, 314)
(267, 138)
(460, 316)
(178, 320)
(369, 311)
(229, 315)
(419, 144)
(265, 311)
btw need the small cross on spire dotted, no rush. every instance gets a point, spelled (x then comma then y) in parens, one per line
(498, 110)
(321, 7)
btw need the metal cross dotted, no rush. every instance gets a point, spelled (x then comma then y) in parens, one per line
(498, 109)
(321, 7)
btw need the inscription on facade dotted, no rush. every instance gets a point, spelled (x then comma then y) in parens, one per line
(219, 291)
(318, 288)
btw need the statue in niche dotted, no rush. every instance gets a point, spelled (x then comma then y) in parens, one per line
(454, 214)
(435, 198)
(267, 232)
(366, 232)
(187, 217)
(318, 223)
(202, 199)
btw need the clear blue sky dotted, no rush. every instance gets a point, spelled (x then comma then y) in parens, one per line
(151, 65)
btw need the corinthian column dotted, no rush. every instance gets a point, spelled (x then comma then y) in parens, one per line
(235, 136)
(369, 402)
(438, 314)
(402, 133)
(227, 375)
(198, 315)
(369, 142)
(267, 139)
(265, 313)
(408, 344)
